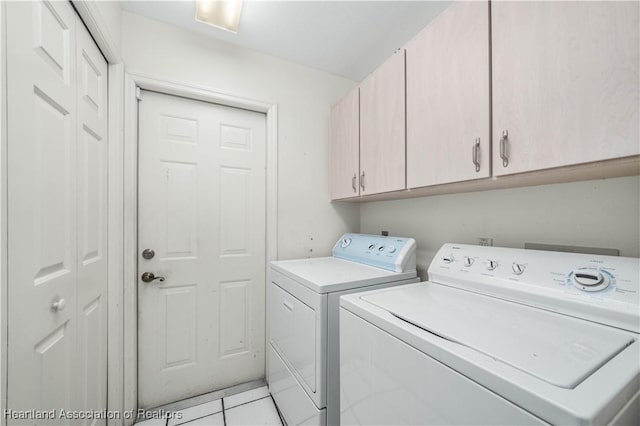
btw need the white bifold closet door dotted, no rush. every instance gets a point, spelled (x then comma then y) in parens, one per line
(57, 212)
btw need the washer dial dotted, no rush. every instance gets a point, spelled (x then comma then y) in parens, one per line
(590, 279)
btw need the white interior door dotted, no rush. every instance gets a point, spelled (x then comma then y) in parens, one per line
(91, 222)
(57, 211)
(202, 212)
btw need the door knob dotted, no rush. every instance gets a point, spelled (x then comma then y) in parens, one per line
(148, 254)
(148, 277)
(58, 305)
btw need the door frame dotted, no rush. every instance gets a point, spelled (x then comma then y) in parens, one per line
(99, 29)
(132, 85)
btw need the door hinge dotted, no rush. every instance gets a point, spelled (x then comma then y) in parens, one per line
(138, 94)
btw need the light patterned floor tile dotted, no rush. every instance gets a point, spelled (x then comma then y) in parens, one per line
(244, 397)
(197, 412)
(260, 412)
(213, 420)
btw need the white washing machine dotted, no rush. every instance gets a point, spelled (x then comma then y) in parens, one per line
(302, 315)
(496, 336)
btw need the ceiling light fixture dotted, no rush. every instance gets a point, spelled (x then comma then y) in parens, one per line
(224, 14)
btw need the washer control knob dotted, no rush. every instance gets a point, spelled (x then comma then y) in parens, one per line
(468, 261)
(517, 268)
(589, 279)
(372, 246)
(381, 248)
(448, 259)
(491, 265)
(345, 242)
(391, 249)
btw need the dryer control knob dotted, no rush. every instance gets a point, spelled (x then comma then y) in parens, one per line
(468, 261)
(345, 242)
(517, 268)
(491, 265)
(391, 249)
(448, 259)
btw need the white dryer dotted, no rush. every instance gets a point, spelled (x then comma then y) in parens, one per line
(303, 310)
(496, 336)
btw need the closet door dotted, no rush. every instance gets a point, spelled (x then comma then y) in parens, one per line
(91, 131)
(56, 210)
(42, 267)
(448, 98)
(565, 83)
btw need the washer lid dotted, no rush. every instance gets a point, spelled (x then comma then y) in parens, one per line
(327, 274)
(558, 349)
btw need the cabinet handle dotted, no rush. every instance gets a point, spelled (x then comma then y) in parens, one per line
(475, 154)
(362, 180)
(353, 183)
(503, 148)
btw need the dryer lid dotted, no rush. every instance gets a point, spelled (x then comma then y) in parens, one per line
(329, 274)
(558, 349)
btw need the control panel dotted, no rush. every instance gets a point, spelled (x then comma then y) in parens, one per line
(605, 289)
(396, 254)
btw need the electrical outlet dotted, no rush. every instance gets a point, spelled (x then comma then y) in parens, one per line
(485, 241)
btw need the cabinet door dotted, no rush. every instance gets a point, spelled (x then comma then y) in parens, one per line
(448, 98)
(382, 128)
(344, 150)
(565, 83)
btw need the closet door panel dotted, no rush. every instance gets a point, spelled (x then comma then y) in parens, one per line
(92, 151)
(41, 190)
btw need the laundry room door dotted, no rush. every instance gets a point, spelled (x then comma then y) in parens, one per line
(201, 233)
(56, 211)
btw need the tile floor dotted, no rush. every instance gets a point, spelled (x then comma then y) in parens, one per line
(253, 407)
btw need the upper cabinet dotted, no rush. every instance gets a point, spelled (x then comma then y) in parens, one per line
(382, 128)
(496, 95)
(448, 99)
(565, 83)
(344, 151)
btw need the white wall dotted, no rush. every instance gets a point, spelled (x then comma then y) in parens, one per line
(600, 213)
(308, 224)
(104, 21)
(111, 15)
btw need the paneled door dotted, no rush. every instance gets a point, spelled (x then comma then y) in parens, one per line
(57, 211)
(91, 221)
(201, 318)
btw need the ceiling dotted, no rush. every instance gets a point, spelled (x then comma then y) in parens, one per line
(346, 38)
